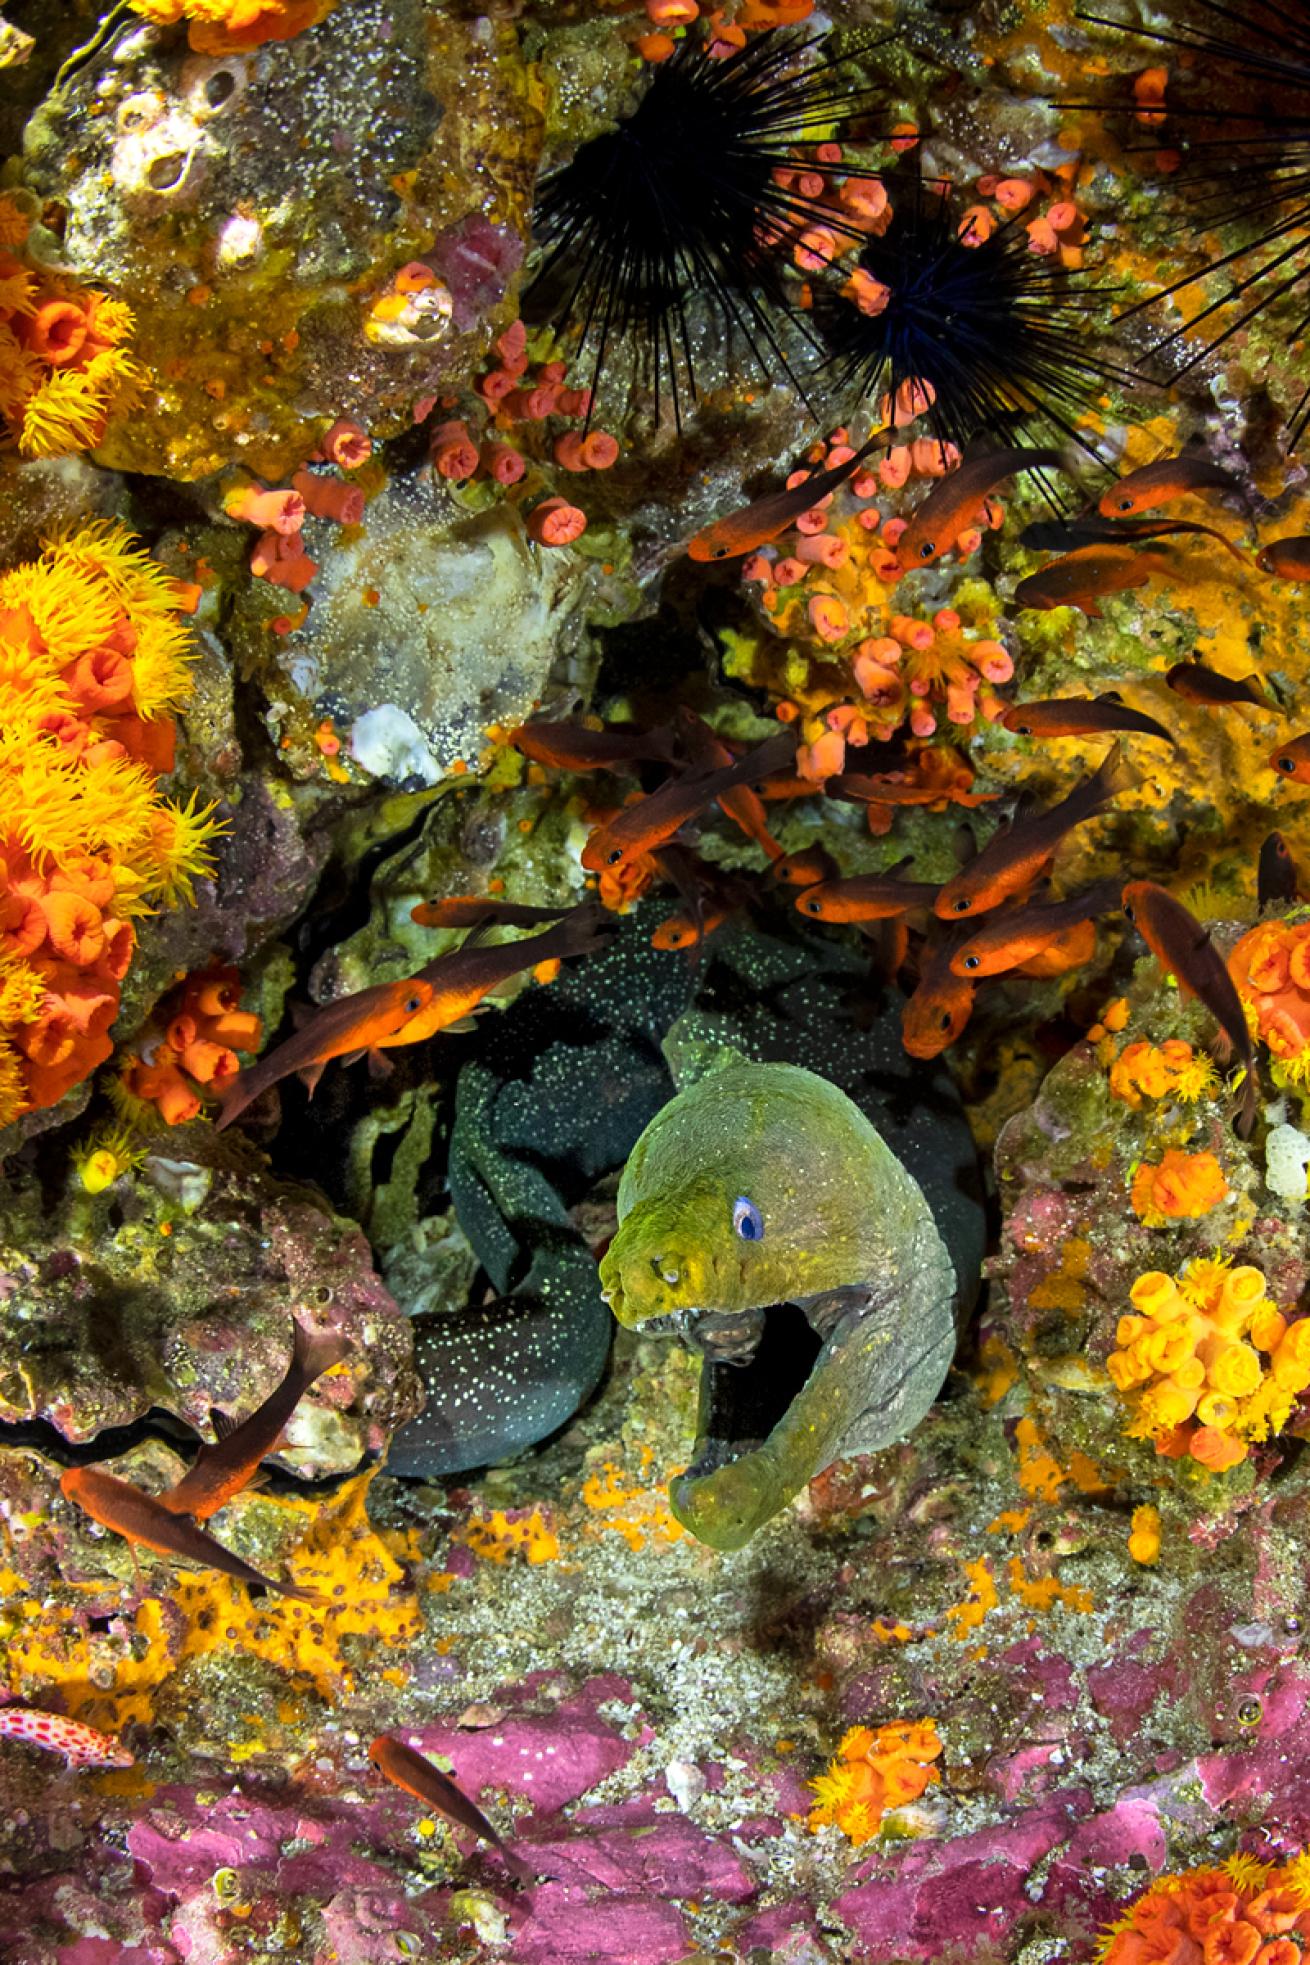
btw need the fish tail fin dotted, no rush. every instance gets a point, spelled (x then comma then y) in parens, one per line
(233, 1098)
(1248, 1101)
(316, 1351)
(300, 1591)
(1115, 775)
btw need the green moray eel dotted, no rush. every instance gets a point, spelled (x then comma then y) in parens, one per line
(761, 1184)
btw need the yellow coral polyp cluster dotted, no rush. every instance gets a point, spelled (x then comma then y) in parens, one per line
(1208, 1363)
(876, 1769)
(1270, 967)
(217, 27)
(92, 661)
(1172, 1069)
(64, 365)
(1245, 1913)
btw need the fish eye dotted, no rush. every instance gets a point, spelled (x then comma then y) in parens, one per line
(927, 549)
(1129, 912)
(413, 1004)
(961, 906)
(972, 961)
(1023, 729)
(612, 859)
(814, 907)
(1123, 505)
(1285, 763)
(944, 1021)
(747, 1220)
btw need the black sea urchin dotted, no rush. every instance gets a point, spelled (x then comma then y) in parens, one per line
(680, 206)
(991, 328)
(1236, 109)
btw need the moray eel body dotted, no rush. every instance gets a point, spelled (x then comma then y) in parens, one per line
(761, 1184)
(830, 1334)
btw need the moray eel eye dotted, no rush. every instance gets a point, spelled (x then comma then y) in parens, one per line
(747, 1220)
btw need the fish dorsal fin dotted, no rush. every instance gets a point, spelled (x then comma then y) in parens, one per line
(301, 1014)
(1108, 696)
(221, 1423)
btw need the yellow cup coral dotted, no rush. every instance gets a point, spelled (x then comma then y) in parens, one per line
(64, 366)
(875, 1770)
(92, 661)
(1180, 1187)
(1208, 1363)
(1157, 1071)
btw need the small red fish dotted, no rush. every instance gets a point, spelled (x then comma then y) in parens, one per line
(1014, 936)
(1013, 857)
(576, 747)
(765, 519)
(684, 931)
(222, 1470)
(459, 981)
(1153, 485)
(939, 1008)
(651, 821)
(1080, 716)
(866, 897)
(1292, 759)
(476, 910)
(1288, 559)
(743, 804)
(1183, 947)
(1070, 950)
(1278, 881)
(81, 1745)
(349, 1027)
(138, 1517)
(1195, 683)
(1066, 535)
(805, 867)
(406, 1768)
(956, 502)
(1081, 579)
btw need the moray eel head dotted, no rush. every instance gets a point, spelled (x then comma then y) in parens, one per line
(681, 1251)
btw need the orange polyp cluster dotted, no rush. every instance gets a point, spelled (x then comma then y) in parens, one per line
(64, 366)
(192, 1050)
(875, 1770)
(1244, 1913)
(1208, 1363)
(1180, 1187)
(222, 27)
(1172, 1069)
(93, 662)
(1270, 967)
(280, 555)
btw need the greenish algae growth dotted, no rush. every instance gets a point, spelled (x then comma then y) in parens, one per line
(844, 1231)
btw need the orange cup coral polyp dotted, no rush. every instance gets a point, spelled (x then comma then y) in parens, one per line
(93, 661)
(1270, 966)
(1247, 1913)
(876, 1769)
(1180, 1187)
(218, 27)
(1207, 1363)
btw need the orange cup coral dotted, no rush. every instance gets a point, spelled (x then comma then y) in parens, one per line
(875, 1770)
(218, 27)
(1158, 1071)
(1207, 1363)
(199, 1028)
(93, 660)
(1182, 1187)
(1245, 1913)
(1270, 966)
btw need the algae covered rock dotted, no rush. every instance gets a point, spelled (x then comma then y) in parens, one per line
(175, 1289)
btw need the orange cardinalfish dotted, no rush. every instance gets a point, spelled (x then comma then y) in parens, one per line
(684, 931)
(957, 501)
(458, 982)
(1278, 881)
(405, 1768)
(1065, 535)
(1153, 485)
(865, 897)
(1081, 716)
(351, 1026)
(1011, 938)
(1083, 578)
(1195, 683)
(1070, 950)
(765, 519)
(1183, 948)
(220, 1471)
(1289, 559)
(805, 867)
(1292, 759)
(1013, 857)
(138, 1517)
(940, 1006)
(652, 820)
(899, 788)
(774, 790)
(475, 911)
(743, 805)
(576, 747)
